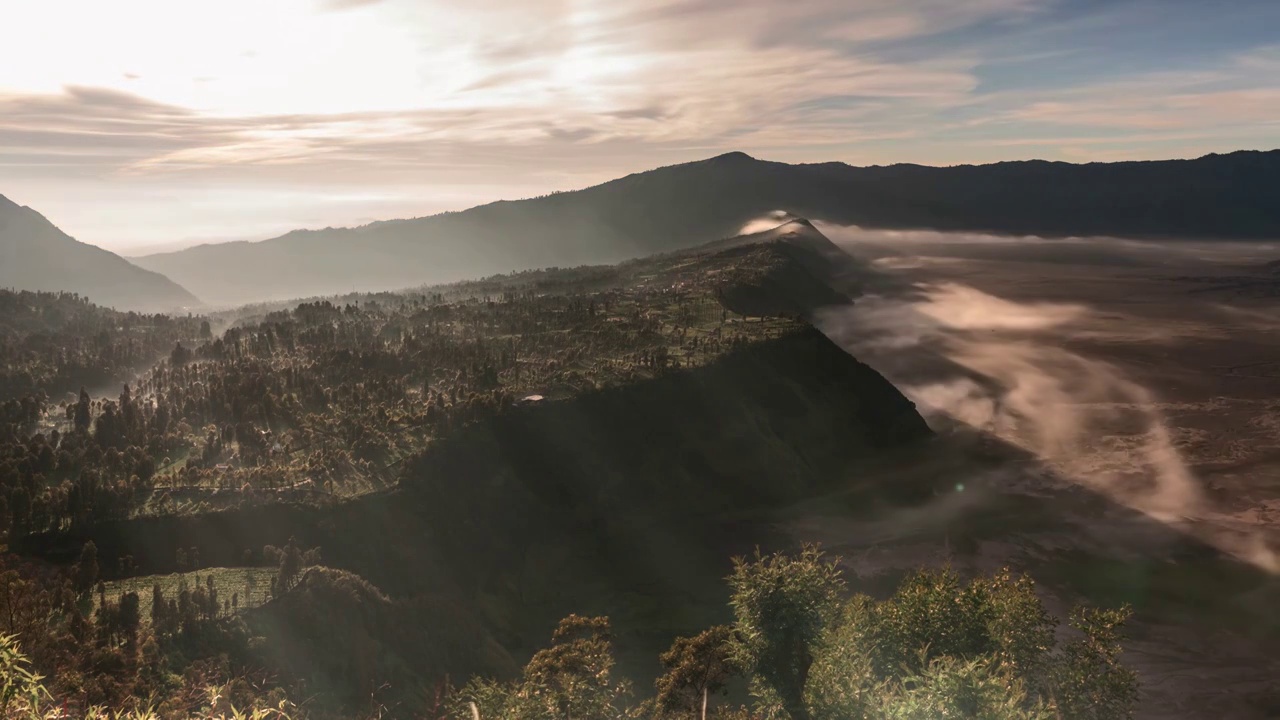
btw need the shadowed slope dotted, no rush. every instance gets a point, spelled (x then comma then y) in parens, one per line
(36, 255)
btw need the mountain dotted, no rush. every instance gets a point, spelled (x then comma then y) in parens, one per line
(594, 440)
(1216, 196)
(36, 255)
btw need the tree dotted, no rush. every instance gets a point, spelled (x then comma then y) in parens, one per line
(290, 566)
(933, 612)
(572, 679)
(938, 647)
(130, 617)
(180, 355)
(158, 607)
(250, 584)
(1088, 681)
(87, 568)
(82, 416)
(949, 687)
(782, 606)
(696, 667)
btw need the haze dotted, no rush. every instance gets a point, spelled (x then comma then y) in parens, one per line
(144, 125)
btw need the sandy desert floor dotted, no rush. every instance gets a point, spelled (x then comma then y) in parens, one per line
(1109, 421)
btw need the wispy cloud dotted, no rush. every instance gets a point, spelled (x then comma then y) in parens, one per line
(1230, 103)
(697, 71)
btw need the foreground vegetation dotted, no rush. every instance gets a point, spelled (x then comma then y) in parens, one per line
(939, 647)
(149, 643)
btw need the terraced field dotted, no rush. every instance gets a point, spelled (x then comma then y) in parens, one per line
(249, 586)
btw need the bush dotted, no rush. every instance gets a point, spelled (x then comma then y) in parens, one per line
(571, 678)
(24, 697)
(940, 647)
(783, 607)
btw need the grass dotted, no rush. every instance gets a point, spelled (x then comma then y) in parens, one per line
(228, 581)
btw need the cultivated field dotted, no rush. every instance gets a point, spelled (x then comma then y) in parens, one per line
(250, 586)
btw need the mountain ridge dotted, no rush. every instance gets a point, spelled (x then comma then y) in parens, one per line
(733, 155)
(677, 206)
(37, 255)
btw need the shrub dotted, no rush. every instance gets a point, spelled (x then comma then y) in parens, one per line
(939, 647)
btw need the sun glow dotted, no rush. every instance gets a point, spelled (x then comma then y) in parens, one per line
(233, 58)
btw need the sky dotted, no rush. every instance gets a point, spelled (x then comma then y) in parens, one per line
(146, 125)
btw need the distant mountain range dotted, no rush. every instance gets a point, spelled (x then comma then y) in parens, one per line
(36, 255)
(1217, 196)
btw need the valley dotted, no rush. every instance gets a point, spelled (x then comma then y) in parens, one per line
(1124, 385)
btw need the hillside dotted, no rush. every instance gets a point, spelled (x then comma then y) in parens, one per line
(1216, 196)
(52, 343)
(490, 455)
(331, 400)
(36, 255)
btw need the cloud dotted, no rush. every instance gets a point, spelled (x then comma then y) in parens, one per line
(97, 126)
(728, 100)
(1080, 416)
(965, 308)
(1243, 90)
(694, 72)
(562, 94)
(768, 222)
(346, 4)
(1008, 368)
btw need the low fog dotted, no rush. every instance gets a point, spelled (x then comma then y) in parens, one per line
(1015, 367)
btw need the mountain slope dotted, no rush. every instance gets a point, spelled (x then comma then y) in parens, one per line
(1217, 196)
(667, 424)
(36, 255)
